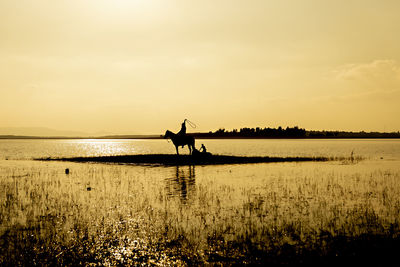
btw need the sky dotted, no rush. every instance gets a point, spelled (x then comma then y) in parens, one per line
(141, 67)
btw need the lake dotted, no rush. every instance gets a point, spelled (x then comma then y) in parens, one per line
(276, 213)
(388, 149)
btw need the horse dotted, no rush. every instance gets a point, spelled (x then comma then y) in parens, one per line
(180, 140)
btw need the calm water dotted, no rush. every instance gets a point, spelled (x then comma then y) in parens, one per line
(370, 149)
(178, 181)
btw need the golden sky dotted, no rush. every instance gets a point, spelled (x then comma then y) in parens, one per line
(130, 66)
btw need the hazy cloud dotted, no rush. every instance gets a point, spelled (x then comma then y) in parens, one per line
(377, 75)
(103, 64)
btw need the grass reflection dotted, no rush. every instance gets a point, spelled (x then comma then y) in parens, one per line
(182, 183)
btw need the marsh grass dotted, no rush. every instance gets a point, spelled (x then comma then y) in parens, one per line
(126, 215)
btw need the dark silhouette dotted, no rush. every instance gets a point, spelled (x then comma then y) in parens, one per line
(250, 133)
(173, 160)
(202, 154)
(258, 132)
(203, 149)
(290, 132)
(181, 140)
(182, 132)
(196, 153)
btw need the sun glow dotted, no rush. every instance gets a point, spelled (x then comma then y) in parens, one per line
(142, 66)
(121, 8)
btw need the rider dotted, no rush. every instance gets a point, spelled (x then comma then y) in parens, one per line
(182, 132)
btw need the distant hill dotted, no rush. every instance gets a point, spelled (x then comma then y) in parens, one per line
(47, 133)
(44, 132)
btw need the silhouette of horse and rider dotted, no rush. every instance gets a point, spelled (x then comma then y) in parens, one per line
(182, 139)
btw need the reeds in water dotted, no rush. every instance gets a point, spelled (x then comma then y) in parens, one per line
(300, 213)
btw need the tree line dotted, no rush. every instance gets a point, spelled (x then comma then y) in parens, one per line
(290, 132)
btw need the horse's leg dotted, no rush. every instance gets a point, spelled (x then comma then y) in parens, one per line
(190, 149)
(193, 146)
(177, 152)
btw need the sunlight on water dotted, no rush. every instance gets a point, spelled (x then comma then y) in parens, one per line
(104, 147)
(104, 214)
(28, 149)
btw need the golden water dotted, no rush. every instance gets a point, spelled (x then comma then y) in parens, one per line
(122, 214)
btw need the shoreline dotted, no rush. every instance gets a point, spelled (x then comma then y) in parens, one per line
(181, 160)
(152, 137)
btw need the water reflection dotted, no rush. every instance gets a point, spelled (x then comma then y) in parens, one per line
(182, 184)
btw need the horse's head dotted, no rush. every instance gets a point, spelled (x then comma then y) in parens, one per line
(167, 134)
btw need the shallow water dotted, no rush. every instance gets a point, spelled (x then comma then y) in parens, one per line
(376, 154)
(201, 210)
